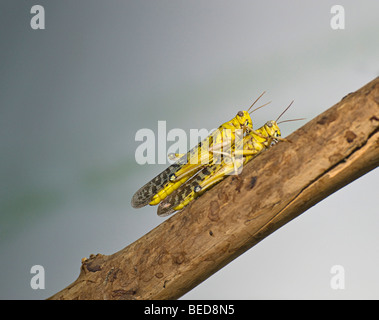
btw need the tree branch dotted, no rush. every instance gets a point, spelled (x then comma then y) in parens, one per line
(327, 153)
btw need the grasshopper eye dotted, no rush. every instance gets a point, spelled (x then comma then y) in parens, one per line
(269, 124)
(240, 113)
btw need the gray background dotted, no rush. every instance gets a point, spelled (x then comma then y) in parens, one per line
(72, 97)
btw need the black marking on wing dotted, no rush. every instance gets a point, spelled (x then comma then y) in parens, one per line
(143, 196)
(166, 207)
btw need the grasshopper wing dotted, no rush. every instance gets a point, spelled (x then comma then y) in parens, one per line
(143, 195)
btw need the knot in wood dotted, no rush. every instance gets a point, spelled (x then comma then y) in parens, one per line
(214, 208)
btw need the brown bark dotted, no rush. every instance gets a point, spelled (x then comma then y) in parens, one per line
(330, 151)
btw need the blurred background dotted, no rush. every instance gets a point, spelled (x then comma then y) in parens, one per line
(72, 97)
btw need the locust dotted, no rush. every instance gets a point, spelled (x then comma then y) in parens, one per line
(200, 156)
(252, 144)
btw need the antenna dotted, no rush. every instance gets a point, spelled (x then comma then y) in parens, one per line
(291, 120)
(256, 100)
(259, 107)
(285, 110)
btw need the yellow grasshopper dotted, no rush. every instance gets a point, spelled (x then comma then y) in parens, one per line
(189, 164)
(252, 144)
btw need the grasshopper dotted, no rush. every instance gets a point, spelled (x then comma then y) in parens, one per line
(252, 144)
(195, 159)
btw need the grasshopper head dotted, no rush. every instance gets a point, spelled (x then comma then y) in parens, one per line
(244, 120)
(272, 129)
